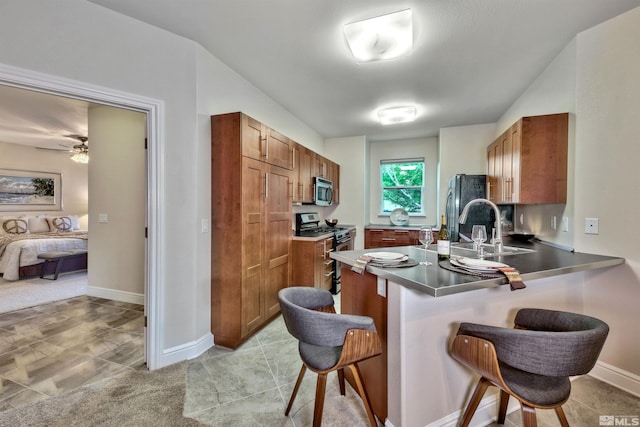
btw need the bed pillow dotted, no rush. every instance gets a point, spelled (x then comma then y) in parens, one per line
(61, 224)
(75, 222)
(15, 226)
(37, 224)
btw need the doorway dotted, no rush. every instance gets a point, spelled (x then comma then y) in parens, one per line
(38, 82)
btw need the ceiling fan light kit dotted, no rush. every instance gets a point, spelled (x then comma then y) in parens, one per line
(384, 37)
(80, 157)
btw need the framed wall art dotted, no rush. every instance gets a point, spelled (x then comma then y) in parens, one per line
(22, 190)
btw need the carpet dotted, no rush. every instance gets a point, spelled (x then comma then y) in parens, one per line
(138, 398)
(29, 292)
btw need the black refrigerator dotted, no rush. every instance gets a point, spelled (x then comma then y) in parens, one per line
(463, 189)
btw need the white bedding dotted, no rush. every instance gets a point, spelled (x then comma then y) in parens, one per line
(25, 252)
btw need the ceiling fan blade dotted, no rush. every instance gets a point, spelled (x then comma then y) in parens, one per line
(52, 149)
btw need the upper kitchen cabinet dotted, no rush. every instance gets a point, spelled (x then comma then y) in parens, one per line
(308, 164)
(302, 176)
(527, 164)
(263, 143)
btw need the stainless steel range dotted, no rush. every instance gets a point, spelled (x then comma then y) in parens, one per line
(308, 225)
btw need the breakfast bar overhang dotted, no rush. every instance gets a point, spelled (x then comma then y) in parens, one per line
(417, 311)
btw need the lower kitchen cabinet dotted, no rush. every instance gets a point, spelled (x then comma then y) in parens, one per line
(311, 264)
(385, 237)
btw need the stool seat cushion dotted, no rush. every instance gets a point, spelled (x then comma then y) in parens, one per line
(53, 254)
(538, 389)
(77, 251)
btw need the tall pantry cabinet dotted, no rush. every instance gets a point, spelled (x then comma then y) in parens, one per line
(251, 225)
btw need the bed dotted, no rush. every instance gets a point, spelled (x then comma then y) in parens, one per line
(22, 239)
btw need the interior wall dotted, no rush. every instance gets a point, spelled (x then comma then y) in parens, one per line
(403, 149)
(74, 177)
(554, 91)
(595, 78)
(462, 149)
(117, 203)
(353, 179)
(607, 176)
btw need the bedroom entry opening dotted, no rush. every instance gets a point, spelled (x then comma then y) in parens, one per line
(113, 197)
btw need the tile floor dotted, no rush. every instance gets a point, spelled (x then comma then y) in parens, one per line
(55, 347)
(52, 348)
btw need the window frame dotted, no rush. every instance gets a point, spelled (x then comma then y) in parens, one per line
(421, 187)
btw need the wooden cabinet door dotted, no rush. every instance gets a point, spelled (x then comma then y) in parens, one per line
(253, 233)
(253, 138)
(507, 167)
(334, 176)
(278, 150)
(516, 141)
(277, 234)
(306, 175)
(294, 177)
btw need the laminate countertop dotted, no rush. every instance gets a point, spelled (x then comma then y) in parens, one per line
(545, 261)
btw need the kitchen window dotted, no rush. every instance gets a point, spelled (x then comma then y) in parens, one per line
(402, 185)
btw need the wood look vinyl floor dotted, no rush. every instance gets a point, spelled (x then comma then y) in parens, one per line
(52, 348)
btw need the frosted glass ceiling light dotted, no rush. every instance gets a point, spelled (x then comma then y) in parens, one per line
(390, 116)
(385, 37)
(80, 157)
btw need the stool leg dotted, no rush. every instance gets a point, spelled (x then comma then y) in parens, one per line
(482, 386)
(58, 267)
(44, 268)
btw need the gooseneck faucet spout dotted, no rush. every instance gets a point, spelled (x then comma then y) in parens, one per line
(497, 242)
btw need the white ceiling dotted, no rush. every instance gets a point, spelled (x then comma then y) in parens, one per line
(472, 59)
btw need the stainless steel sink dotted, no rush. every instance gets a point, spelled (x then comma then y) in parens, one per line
(467, 249)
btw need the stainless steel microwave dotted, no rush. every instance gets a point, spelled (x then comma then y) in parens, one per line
(322, 191)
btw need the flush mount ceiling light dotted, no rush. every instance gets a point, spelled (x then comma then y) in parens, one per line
(384, 37)
(391, 116)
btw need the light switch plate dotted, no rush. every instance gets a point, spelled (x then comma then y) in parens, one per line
(565, 223)
(103, 218)
(591, 226)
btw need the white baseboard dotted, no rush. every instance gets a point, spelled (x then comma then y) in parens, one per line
(115, 295)
(487, 411)
(186, 351)
(618, 378)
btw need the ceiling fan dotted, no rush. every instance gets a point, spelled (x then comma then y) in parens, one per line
(80, 152)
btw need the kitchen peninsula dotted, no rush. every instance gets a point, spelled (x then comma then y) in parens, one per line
(417, 311)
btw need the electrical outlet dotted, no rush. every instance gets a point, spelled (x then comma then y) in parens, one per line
(204, 225)
(565, 223)
(553, 222)
(591, 226)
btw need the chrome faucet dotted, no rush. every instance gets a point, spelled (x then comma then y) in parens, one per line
(497, 242)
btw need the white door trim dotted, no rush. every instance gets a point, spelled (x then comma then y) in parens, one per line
(154, 284)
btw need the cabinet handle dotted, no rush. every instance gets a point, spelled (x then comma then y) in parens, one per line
(293, 160)
(390, 239)
(329, 274)
(266, 147)
(266, 185)
(489, 190)
(401, 232)
(328, 262)
(376, 231)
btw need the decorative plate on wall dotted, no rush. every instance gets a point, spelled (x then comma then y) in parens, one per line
(399, 217)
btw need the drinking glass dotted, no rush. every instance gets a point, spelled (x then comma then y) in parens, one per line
(425, 235)
(479, 236)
